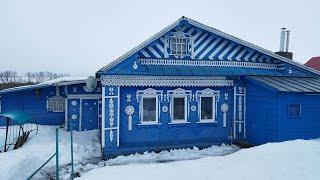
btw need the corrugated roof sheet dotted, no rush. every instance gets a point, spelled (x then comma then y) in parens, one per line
(290, 84)
(58, 81)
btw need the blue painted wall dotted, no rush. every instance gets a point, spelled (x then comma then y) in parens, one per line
(307, 126)
(262, 114)
(165, 135)
(35, 105)
(268, 119)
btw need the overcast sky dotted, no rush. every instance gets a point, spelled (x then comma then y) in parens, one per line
(80, 36)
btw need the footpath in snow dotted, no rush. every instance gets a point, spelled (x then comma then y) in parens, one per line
(294, 160)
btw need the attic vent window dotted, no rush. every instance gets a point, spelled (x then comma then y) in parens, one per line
(56, 104)
(179, 46)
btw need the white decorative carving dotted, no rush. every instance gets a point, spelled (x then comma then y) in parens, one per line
(128, 97)
(129, 111)
(165, 109)
(149, 92)
(240, 90)
(226, 96)
(74, 89)
(224, 109)
(111, 91)
(111, 112)
(135, 65)
(169, 81)
(240, 108)
(193, 108)
(208, 63)
(177, 38)
(74, 116)
(207, 92)
(111, 135)
(74, 103)
(179, 92)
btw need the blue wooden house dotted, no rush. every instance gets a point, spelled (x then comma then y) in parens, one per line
(193, 85)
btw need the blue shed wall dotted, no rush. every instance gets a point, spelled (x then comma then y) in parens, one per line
(262, 114)
(307, 126)
(35, 105)
(165, 135)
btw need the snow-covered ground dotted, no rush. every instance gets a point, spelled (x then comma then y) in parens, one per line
(21, 163)
(299, 159)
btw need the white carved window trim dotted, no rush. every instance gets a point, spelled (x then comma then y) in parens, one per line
(157, 110)
(179, 36)
(149, 93)
(56, 104)
(180, 93)
(177, 121)
(213, 109)
(208, 93)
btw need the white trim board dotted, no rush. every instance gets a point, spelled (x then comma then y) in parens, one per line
(84, 96)
(170, 81)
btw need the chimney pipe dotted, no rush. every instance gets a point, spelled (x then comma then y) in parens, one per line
(282, 39)
(287, 40)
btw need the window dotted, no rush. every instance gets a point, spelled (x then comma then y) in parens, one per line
(179, 46)
(294, 110)
(149, 110)
(56, 104)
(179, 112)
(0, 106)
(207, 105)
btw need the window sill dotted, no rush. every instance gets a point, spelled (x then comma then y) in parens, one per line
(207, 122)
(148, 124)
(183, 122)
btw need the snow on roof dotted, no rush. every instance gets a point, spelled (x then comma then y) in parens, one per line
(63, 80)
(59, 81)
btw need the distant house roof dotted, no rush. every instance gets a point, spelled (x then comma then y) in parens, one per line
(58, 81)
(314, 63)
(289, 84)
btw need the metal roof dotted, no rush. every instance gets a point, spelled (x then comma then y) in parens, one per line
(55, 82)
(209, 29)
(290, 84)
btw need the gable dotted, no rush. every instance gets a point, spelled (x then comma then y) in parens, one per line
(205, 47)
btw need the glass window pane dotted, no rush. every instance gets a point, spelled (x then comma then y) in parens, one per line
(149, 109)
(206, 108)
(178, 108)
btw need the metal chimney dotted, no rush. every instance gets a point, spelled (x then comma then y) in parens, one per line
(287, 40)
(284, 44)
(282, 39)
